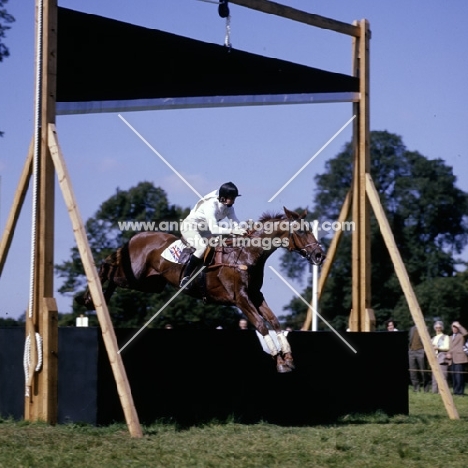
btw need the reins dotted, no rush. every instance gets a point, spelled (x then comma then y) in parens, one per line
(308, 255)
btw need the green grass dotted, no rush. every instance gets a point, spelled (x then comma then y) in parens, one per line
(426, 438)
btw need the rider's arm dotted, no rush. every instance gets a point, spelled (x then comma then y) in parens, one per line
(209, 210)
(231, 215)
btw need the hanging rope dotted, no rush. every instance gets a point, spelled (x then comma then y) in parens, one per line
(223, 11)
(227, 39)
(27, 360)
(37, 143)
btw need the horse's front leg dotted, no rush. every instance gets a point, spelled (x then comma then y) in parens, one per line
(271, 318)
(257, 320)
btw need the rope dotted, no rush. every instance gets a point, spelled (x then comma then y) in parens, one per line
(227, 39)
(27, 360)
(37, 142)
(39, 352)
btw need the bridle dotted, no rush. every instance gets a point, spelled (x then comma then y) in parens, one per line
(303, 252)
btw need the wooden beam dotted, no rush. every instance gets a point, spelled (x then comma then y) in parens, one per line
(43, 280)
(326, 267)
(108, 334)
(272, 8)
(355, 318)
(362, 316)
(15, 210)
(410, 296)
(367, 315)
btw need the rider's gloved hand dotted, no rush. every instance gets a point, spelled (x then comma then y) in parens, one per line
(239, 231)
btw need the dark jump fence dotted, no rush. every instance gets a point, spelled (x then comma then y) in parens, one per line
(199, 375)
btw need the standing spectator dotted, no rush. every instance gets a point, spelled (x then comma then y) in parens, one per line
(390, 325)
(441, 343)
(458, 357)
(417, 361)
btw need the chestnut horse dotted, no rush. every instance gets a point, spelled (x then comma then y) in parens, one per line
(234, 277)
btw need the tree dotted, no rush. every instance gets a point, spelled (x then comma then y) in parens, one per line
(442, 298)
(5, 19)
(427, 214)
(10, 322)
(143, 202)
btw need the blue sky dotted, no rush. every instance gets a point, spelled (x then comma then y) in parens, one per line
(419, 73)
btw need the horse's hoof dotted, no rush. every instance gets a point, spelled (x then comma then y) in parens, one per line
(290, 363)
(283, 368)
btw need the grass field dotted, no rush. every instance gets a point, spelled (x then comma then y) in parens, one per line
(426, 438)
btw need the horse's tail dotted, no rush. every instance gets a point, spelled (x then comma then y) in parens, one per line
(106, 274)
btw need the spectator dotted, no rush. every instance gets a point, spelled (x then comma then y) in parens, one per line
(390, 325)
(417, 361)
(457, 357)
(441, 345)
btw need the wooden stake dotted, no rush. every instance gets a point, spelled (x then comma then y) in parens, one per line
(410, 297)
(110, 341)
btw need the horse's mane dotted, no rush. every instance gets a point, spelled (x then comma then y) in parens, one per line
(267, 216)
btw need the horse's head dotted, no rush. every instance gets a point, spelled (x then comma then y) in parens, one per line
(301, 238)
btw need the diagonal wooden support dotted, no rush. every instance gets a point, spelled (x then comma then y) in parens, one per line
(15, 211)
(410, 297)
(108, 334)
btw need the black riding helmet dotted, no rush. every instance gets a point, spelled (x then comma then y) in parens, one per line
(228, 190)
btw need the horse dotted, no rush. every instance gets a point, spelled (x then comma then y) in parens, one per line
(233, 277)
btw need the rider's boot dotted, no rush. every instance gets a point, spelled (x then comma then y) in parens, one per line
(192, 265)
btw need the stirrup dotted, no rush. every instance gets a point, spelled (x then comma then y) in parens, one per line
(184, 281)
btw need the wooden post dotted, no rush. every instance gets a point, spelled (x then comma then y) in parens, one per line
(354, 318)
(344, 213)
(15, 211)
(42, 384)
(50, 359)
(110, 341)
(362, 316)
(410, 297)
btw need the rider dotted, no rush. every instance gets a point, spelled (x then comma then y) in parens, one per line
(204, 218)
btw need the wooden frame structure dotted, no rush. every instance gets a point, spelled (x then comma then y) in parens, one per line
(41, 404)
(41, 385)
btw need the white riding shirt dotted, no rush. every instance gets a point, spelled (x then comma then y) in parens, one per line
(206, 215)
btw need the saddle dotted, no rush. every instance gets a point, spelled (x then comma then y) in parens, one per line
(213, 256)
(180, 251)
